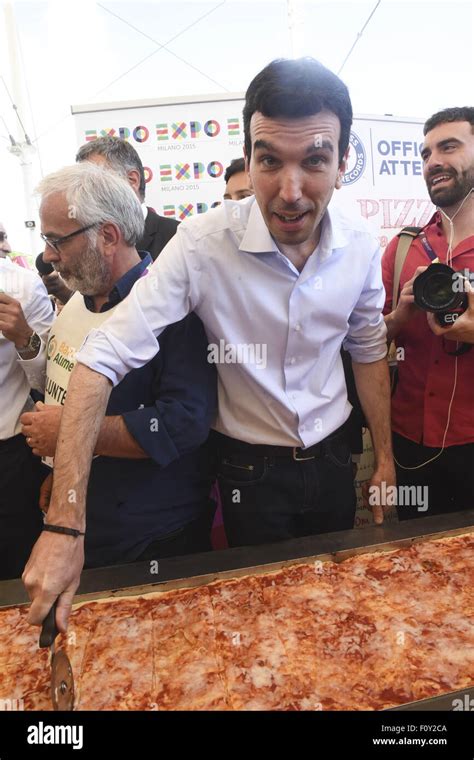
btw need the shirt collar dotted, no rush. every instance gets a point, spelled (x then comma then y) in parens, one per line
(123, 286)
(257, 238)
(144, 210)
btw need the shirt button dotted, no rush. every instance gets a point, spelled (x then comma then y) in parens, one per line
(292, 360)
(293, 396)
(436, 361)
(431, 393)
(298, 327)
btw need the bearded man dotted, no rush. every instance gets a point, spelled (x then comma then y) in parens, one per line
(432, 407)
(147, 494)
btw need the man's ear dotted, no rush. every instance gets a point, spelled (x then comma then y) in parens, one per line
(111, 236)
(342, 169)
(134, 180)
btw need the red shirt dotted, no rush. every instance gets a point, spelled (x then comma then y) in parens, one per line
(421, 400)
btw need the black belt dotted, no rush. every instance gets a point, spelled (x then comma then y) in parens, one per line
(234, 446)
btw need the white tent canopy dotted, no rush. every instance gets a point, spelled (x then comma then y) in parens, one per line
(413, 59)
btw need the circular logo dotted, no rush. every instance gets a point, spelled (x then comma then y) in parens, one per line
(52, 346)
(356, 161)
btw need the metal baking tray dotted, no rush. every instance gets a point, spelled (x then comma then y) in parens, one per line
(202, 569)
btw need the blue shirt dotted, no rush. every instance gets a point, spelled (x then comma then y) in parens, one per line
(168, 405)
(275, 333)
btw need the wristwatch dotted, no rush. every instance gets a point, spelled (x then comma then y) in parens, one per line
(32, 347)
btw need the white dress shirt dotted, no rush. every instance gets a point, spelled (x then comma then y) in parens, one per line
(289, 387)
(18, 376)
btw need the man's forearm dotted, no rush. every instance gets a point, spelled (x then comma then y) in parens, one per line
(115, 440)
(373, 388)
(88, 393)
(393, 326)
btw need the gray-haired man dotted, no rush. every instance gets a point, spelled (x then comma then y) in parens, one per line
(147, 496)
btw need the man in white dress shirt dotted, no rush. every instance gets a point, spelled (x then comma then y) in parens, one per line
(280, 282)
(26, 315)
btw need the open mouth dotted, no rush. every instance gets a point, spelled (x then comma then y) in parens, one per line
(439, 179)
(290, 219)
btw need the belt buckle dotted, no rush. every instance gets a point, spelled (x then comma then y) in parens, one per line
(300, 459)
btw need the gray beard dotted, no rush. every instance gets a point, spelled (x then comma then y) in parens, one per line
(90, 275)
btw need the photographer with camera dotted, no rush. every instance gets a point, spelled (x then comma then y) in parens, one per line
(432, 325)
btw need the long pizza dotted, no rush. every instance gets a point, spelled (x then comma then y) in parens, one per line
(375, 631)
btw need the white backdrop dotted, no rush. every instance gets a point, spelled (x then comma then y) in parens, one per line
(186, 144)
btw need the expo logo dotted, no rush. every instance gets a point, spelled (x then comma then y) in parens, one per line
(193, 171)
(357, 160)
(176, 130)
(184, 210)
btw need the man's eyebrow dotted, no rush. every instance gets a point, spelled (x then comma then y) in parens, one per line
(323, 145)
(265, 145)
(441, 144)
(447, 140)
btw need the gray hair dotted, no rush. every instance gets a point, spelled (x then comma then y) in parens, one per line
(118, 153)
(96, 195)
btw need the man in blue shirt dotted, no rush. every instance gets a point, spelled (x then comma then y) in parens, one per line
(148, 490)
(280, 281)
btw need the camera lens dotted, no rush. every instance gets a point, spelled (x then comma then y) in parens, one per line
(438, 289)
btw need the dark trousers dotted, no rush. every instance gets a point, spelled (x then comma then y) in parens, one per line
(21, 474)
(192, 538)
(449, 480)
(273, 498)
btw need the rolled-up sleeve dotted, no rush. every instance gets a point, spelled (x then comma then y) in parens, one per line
(127, 339)
(366, 339)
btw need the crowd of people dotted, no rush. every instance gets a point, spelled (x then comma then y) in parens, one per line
(247, 345)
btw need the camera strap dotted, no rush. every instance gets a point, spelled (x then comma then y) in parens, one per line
(405, 239)
(428, 248)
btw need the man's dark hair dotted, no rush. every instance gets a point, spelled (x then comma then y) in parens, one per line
(236, 165)
(118, 153)
(296, 88)
(450, 114)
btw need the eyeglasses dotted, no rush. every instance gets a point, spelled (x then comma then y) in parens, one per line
(3, 236)
(56, 242)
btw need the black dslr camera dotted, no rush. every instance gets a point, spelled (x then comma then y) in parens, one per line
(440, 290)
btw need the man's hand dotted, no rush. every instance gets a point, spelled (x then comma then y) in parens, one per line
(53, 571)
(41, 429)
(405, 310)
(13, 324)
(45, 493)
(372, 491)
(462, 329)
